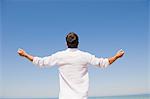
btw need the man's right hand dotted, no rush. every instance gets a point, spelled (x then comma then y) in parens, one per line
(21, 52)
(120, 53)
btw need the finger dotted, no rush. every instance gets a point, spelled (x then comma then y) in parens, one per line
(123, 52)
(119, 51)
(20, 49)
(20, 53)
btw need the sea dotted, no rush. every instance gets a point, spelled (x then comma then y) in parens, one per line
(143, 96)
(147, 96)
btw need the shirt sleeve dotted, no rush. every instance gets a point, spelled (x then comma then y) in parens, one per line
(100, 62)
(45, 61)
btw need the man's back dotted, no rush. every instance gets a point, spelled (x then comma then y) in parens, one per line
(74, 79)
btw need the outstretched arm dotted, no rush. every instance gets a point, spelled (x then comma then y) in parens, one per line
(114, 58)
(39, 61)
(104, 62)
(22, 53)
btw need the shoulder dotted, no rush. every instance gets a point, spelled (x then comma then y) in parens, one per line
(58, 53)
(86, 53)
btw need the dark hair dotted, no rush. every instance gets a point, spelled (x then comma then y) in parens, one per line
(72, 40)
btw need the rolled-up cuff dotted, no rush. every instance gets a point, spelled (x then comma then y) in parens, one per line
(35, 60)
(106, 63)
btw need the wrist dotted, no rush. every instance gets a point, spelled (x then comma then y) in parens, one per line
(25, 55)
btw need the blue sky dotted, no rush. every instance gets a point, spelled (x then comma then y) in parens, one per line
(103, 27)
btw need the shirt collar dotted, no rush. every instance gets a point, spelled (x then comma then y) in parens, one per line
(72, 49)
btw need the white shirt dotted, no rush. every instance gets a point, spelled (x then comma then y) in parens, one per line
(73, 71)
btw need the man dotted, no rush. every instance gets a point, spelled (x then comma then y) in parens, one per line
(73, 70)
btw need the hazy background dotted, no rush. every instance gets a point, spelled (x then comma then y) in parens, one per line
(103, 26)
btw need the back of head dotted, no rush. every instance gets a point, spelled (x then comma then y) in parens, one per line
(72, 40)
